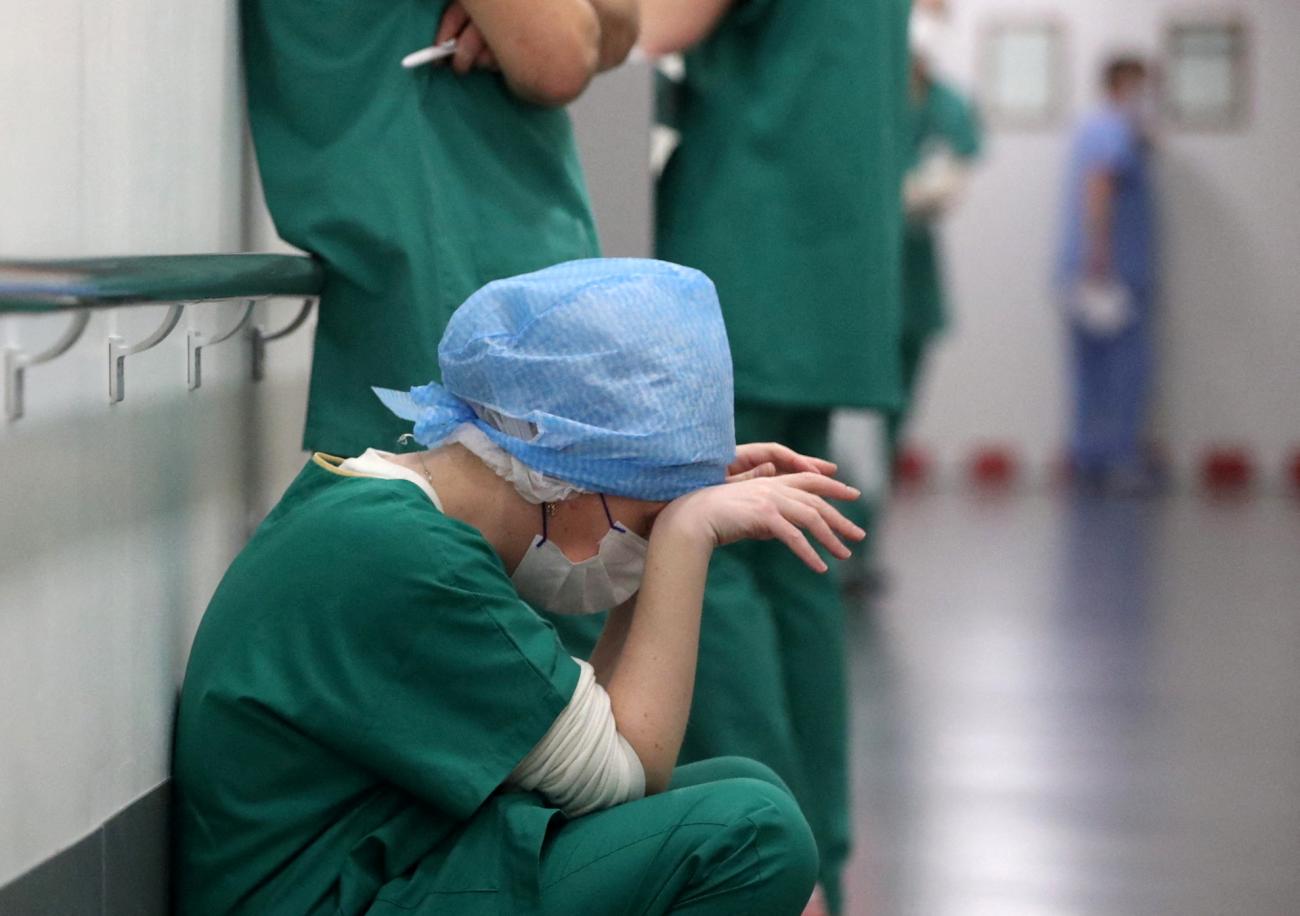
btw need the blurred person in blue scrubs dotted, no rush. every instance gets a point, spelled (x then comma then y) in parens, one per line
(1107, 275)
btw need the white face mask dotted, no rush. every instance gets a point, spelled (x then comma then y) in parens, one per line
(547, 578)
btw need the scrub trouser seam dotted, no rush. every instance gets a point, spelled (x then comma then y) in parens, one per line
(393, 902)
(756, 851)
(649, 836)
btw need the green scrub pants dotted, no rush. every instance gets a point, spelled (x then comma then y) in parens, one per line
(913, 359)
(727, 838)
(869, 510)
(771, 679)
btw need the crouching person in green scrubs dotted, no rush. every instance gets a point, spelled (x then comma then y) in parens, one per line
(373, 719)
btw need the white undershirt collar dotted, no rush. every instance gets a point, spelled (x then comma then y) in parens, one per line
(374, 463)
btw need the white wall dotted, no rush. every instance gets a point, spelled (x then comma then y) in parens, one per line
(123, 133)
(1229, 203)
(612, 125)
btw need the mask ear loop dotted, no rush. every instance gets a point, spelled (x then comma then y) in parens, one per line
(548, 509)
(609, 518)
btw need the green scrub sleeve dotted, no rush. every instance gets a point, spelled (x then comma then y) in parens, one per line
(957, 122)
(445, 680)
(743, 12)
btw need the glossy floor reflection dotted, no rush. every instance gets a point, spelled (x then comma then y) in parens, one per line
(1080, 707)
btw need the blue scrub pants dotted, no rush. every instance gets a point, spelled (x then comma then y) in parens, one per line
(1112, 392)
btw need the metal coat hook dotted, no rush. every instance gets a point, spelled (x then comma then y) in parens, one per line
(118, 351)
(260, 338)
(18, 362)
(198, 341)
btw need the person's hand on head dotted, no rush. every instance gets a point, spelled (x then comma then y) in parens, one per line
(768, 459)
(768, 508)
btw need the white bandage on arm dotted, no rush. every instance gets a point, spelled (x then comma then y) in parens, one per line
(582, 764)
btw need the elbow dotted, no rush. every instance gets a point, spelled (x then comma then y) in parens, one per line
(555, 74)
(618, 37)
(658, 781)
(657, 43)
(655, 764)
(659, 36)
(554, 90)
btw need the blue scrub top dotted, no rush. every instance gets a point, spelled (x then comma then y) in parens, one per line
(1111, 141)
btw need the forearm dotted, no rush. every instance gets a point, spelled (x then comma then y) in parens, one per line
(604, 658)
(547, 52)
(669, 26)
(653, 676)
(1098, 206)
(619, 27)
(653, 679)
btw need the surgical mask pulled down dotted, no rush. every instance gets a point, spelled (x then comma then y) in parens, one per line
(548, 579)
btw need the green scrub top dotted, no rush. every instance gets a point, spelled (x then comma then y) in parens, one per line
(415, 188)
(943, 118)
(785, 191)
(363, 681)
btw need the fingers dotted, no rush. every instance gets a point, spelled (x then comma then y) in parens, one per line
(808, 518)
(469, 44)
(792, 537)
(821, 465)
(798, 462)
(472, 51)
(781, 507)
(820, 485)
(453, 22)
(767, 469)
(838, 522)
(786, 459)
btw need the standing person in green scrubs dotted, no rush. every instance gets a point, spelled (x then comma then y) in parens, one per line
(416, 186)
(781, 196)
(374, 721)
(945, 142)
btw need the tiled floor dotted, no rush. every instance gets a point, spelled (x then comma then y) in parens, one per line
(1081, 707)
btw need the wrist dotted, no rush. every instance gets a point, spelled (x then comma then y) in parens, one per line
(678, 525)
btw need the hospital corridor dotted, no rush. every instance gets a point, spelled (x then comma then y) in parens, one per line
(650, 458)
(1109, 729)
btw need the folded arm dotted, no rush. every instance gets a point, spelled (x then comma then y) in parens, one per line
(547, 53)
(669, 26)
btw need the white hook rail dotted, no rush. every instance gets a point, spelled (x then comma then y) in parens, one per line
(119, 350)
(17, 362)
(260, 338)
(198, 341)
(76, 286)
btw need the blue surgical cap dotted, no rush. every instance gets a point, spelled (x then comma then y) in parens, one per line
(611, 374)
